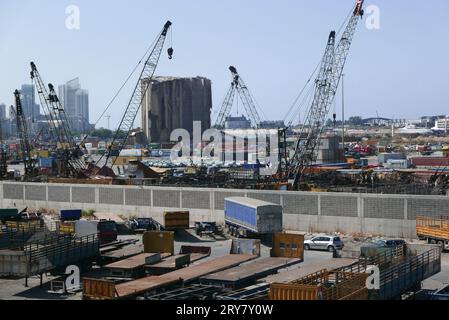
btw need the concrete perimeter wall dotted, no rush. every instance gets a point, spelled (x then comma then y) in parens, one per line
(386, 215)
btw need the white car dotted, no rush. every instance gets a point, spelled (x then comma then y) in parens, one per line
(328, 243)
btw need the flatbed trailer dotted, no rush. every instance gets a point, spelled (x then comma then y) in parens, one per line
(433, 230)
(401, 270)
(123, 253)
(196, 252)
(168, 265)
(39, 257)
(102, 289)
(133, 267)
(248, 273)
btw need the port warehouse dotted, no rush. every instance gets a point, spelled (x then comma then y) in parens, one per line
(386, 215)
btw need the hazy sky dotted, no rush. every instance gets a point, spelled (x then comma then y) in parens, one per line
(399, 71)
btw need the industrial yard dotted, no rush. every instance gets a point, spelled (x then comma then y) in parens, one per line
(314, 261)
(191, 197)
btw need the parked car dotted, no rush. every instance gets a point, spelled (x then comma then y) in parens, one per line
(389, 243)
(329, 243)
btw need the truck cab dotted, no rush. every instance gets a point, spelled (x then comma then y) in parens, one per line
(107, 231)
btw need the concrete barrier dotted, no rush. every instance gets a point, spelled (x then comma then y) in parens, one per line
(385, 215)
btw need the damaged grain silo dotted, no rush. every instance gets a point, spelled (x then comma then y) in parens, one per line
(175, 103)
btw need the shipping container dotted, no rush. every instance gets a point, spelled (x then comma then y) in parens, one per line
(70, 214)
(46, 162)
(176, 220)
(9, 214)
(159, 241)
(430, 162)
(244, 216)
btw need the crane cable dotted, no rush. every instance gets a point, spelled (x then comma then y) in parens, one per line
(299, 96)
(119, 91)
(310, 78)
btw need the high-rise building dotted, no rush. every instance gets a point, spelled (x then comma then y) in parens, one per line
(2, 111)
(76, 104)
(30, 108)
(175, 103)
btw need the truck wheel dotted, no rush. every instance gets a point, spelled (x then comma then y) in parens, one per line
(306, 247)
(433, 241)
(441, 243)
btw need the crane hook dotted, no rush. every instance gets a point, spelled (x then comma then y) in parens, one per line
(170, 53)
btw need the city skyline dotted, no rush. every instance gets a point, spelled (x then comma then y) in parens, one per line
(390, 71)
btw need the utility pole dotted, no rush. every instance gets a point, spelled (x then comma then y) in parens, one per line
(343, 111)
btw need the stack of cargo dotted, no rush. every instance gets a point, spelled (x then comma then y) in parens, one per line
(244, 173)
(384, 157)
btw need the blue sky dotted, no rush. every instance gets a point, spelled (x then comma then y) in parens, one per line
(399, 71)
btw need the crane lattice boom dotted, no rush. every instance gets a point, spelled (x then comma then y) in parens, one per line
(22, 130)
(250, 107)
(326, 86)
(139, 93)
(68, 150)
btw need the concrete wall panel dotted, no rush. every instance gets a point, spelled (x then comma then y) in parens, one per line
(196, 199)
(111, 195)
(58, 194)
(83, 194)
(301, 204)
(339, 206)
(138, 197)
(384, 208)
(35, 192)
(166, 198)
(13, 191)
(423, 207)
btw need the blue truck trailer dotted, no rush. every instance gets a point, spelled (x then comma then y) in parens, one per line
(246, 217)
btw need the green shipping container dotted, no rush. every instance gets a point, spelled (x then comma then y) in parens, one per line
(9, 214)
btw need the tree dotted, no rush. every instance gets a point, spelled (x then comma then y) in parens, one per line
(355, 121)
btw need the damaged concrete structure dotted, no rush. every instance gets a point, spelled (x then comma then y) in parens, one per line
(175, 103)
